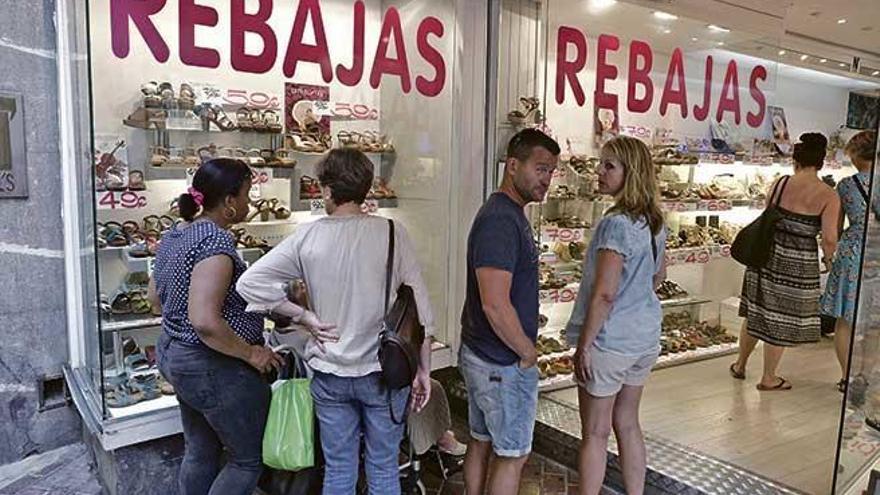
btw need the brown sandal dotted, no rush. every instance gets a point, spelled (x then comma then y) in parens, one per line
(781, 386)
(739, 375)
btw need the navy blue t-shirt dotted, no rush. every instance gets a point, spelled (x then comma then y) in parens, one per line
(500, 237)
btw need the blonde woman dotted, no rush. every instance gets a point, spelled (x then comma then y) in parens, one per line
(616, 319)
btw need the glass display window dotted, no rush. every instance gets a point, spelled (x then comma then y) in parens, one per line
(720, 101)
(275, 84)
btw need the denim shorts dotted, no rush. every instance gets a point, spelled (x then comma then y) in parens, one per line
(502, 402)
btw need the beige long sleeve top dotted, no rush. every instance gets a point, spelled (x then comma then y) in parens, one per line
(342, 261)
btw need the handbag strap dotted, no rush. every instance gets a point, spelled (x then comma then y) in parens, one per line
(784, 182)
(861, 188)
(389, 264)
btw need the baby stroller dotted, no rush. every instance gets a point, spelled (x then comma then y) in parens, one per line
(308, 481)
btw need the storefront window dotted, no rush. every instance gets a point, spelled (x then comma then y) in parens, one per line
(720, 102)
(275, 84)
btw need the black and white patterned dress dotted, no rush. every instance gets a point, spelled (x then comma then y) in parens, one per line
(781, 301)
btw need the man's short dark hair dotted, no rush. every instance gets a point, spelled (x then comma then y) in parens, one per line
(348, 173)
(526, 140)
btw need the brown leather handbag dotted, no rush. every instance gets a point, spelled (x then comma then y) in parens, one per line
(401, 336)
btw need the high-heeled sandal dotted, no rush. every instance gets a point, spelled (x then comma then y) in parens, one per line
(243, 118)
(159, 156)
(284, 157)
(280, 211)
(272, 121)
(136, 181)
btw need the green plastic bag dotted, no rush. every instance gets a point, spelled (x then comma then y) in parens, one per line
(289, 440)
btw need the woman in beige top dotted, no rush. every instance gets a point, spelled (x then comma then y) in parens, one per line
(342, 260)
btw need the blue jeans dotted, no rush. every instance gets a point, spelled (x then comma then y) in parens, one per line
(224, 403)
(502, 403)
(348, 408)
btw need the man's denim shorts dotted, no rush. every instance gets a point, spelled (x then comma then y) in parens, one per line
(502, 402)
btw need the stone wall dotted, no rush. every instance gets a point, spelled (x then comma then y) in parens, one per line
(33, 333)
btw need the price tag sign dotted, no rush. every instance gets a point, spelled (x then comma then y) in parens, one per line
(120, 200)
(714, 205)
(562, 234)
(678, 206)
(317, 206)
(556, 296)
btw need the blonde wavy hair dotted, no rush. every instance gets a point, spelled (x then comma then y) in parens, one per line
(638, 198)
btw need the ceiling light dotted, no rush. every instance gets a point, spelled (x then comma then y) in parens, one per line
(665, 16)
(720, 43)
(719, 29)
(601, 4)
(822, 61)
(782, 52)
(841, 21)
(667, 31)
(842, 64)
(694, 39)
(804, 57)
(876, 73)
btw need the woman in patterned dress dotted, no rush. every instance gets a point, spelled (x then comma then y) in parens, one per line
(780, 302)
(839, 299)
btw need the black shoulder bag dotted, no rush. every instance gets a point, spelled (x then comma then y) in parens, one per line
(401, 336)
(753, 244)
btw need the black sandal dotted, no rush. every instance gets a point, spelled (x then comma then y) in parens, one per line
(739, 375)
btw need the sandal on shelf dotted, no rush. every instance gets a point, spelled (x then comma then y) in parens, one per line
(206, 153)
(347, 139)
(255, 158)
(151, 222)
(257, 122)
(243, 118)
(309, 188)
(106, 308)
(280, 211)
(175, 157)
(144, 118)
(187, 100)
(781, 385)
(114, 234)
(283, 155)
(122, 396)
(136, 362)
(140, 305)
(121, 304)
(226, 152)
(160, 156)
(739, 375)
(136, 181)
(150, 91)
(269, 157)
(262, 209)
(190, 159)
(166, 223)
(164, 387)
(272, 121)
(114, 181)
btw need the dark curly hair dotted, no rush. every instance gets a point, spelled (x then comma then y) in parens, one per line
(810, 151)
(215, 179)
(348, 173)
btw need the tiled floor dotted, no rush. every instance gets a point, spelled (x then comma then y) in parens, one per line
(540, 475)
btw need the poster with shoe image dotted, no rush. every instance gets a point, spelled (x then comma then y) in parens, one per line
(606, 124)
(303, 110)
(777, 126)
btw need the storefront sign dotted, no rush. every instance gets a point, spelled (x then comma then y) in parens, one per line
(13, 154)
(243, 21)
(571, 58)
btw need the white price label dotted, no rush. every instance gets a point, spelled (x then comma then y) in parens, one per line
(562, 234)
(317, 206)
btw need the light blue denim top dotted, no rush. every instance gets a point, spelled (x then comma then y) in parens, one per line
(633, 325)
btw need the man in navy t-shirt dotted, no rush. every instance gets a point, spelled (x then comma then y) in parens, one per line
(500, 318)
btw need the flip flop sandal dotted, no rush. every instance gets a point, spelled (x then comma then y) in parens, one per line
(239, 153)
(781, 386)
(140, 305)
(184, 103)
(222, 119)
(873, 423)
(137, 280)
(121, 304)
(151, 222)
(255, 242)
(166, 223)
(243, 118)
(136, 362)
(140, 249)
(150, 88)
(225, 152)
(122, 396)
(268, 155)
(130, 227)
(284, 157)
(346, 139)
(136, 181)
(186, 91)
(114, 234)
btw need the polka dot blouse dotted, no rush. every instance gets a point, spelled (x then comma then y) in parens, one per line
(179, 252)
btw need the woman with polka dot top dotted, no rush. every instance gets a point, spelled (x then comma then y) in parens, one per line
(211, 350)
